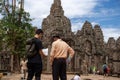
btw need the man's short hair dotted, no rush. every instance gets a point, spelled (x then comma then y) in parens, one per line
(38, 31)
(78, 74)
(56, 36)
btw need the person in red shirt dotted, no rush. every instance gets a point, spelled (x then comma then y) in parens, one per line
(108, 70)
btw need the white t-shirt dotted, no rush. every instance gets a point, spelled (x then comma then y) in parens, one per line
(76, 77)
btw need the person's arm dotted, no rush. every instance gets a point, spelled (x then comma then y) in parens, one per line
(52, 53)
(71, 52)
(40, 47)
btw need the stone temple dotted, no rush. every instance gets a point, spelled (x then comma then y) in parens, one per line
(88, 43)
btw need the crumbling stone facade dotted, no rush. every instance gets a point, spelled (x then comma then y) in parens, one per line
(89, 47)
(56, 23)
(88, 43)
(113, 54)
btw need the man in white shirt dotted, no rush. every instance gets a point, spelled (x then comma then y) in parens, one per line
(76, 77)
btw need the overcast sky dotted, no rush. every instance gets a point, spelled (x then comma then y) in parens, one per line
(105, 13)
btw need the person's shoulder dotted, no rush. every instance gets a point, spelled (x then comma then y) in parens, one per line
(37, 40)
(53, 43)
(64, 42)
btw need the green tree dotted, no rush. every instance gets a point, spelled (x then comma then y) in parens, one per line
(16, 28)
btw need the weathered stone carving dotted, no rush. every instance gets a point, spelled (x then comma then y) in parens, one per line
(118, 44)
(111, 43)
(113, 53)
(90, 45)
(56, 22)
(88, 42)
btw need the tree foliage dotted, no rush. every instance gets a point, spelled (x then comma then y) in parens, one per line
(15, 26)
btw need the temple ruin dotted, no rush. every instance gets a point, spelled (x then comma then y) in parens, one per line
(88, 43)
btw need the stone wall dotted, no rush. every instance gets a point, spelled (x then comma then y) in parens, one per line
(113, 54)
(56, 23)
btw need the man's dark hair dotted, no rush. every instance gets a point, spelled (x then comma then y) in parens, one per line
(56, 36)
(78, 74)
(38, 31)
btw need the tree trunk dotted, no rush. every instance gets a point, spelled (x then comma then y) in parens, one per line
(11, 63)
(16, 64)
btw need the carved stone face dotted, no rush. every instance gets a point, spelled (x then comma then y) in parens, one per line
(88, 47)
(88, 32)
(87, 28)
(111, 43)
(118, 43)
(57, 13)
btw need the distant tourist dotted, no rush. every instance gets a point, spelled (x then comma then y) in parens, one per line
(94, 69)
(76, 77)
(108, 70)
(58, 56)
(23, 65)
(104, 67)
(98, 72)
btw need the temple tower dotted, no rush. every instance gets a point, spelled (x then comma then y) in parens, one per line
(56, 23)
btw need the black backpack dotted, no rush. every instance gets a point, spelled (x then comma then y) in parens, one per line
(30, 48)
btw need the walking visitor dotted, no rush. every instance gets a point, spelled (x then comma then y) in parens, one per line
(23, 65)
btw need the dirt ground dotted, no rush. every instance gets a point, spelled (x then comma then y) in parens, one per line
(69, 76)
